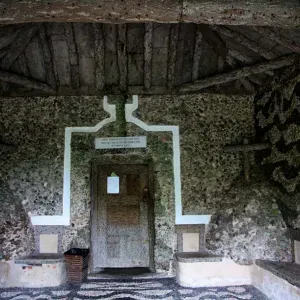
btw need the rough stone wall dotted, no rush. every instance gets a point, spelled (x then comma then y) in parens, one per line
(277, 113)
(16, 233)
(249, 224)
(207, 122)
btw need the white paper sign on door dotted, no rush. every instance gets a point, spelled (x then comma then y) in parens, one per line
(113, 185)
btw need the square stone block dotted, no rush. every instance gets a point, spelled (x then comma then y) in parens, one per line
(190, 242)
(48, 243)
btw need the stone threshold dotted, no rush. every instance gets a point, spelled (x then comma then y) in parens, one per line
(100, 277)
(37, 259)
(285, 270)
(201, 256)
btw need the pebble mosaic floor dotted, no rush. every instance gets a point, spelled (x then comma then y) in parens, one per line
(142, 289)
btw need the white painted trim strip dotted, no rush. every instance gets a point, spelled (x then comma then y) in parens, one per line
(129, 109)
(50, 220)
(65, 218)
(179, 217)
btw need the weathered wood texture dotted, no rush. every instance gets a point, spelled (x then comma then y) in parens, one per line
(243, 40)
(172, 55)
(135, 54)
(26, 82)
(150, 58)
(99, 57)
(73, 55)
(148, 50)
(240, 73)
(281, 40)
(283, 13)
(122, 56)
(120, 245)
(50, 77)
(21, 41)
(197, 54)
(159, 66)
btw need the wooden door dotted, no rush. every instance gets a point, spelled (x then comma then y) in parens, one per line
(120, 222)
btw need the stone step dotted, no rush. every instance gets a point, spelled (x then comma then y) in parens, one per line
(285, 270)
(201, 256)
(40, 259)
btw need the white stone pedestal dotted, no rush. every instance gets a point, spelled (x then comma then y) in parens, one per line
(34, 271)
(203, 270)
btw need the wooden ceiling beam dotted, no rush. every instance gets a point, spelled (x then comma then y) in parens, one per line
(22, 60)
(215, 41)
(148, 51)
(99, 57)
(48, 59)
(245, 41)
(277, 13)
(239, 73)
(7, 39)
(241, 57)
(245, 60)
(22, 39)
(16, 48)
(24, 81)
(278, 38)
(223, 51)
(198, 49)
(173, 40)
(248, 85)
(256, 80)
(73, 55)
(122, 56)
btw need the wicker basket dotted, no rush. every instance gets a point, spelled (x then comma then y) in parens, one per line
(77, 265)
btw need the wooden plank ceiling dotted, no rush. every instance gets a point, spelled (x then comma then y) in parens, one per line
(140, 58)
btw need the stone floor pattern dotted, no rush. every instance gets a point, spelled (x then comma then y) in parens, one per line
(161, 289)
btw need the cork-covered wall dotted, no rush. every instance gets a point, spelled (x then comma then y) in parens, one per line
(16, 234)
(33, 170)
(249, 224)
(277, 116)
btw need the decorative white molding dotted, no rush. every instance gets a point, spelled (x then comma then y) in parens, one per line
(65, 218)
(111, 109)
(179, 217)
(50, 220)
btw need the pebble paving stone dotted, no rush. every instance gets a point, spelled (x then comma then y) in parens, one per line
(138, 289)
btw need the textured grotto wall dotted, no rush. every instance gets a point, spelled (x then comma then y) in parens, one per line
(207, 123)
(277, 112)
(33, 172)
(249, 223)
(16, 233)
